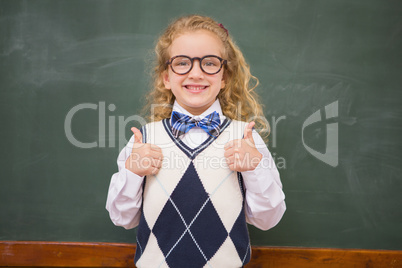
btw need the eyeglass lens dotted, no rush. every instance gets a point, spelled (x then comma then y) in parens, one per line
(209, 65)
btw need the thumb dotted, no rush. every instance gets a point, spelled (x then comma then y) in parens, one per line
(248, 131)
(137, 135)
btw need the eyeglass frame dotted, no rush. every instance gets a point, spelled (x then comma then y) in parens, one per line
(169, 62)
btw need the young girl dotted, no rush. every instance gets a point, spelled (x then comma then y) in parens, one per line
(193, 177)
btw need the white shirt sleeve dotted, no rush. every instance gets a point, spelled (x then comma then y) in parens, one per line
(265, 200)
(125, 193)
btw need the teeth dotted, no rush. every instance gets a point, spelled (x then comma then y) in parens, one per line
(196, 87)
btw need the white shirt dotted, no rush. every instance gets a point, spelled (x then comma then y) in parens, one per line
(264, 200)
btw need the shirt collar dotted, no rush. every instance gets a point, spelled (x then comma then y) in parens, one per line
(216, 106)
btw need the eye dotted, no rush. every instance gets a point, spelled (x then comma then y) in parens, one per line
(181, 62)
(211, 62)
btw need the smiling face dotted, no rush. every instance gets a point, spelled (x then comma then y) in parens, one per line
(195, 91)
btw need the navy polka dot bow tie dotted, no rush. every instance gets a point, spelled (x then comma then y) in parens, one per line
(182, 123)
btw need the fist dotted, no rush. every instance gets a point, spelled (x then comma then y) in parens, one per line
(242, 154)
(145, 158)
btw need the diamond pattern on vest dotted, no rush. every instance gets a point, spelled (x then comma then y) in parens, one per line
(142, 237)
(193, 213)
(217, 183)
(240, 238)
(190, 210)
(152, 256)
(226, 256)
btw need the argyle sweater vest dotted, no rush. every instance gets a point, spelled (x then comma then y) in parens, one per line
(193, 209)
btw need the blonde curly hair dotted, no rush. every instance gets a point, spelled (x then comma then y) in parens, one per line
(238, 98)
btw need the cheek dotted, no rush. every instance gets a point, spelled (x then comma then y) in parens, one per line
(171, 80)
(221, 81)
(175, 81)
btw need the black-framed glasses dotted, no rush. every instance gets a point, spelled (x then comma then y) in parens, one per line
(209, 64)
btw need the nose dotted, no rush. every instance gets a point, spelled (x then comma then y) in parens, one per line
(196, 72)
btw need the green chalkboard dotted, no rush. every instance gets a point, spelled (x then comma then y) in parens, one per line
(74, 74)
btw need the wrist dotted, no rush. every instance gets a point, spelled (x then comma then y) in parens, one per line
(132, 166)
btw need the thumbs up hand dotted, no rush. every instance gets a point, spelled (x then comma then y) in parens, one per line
(241, 154)
(145, 158)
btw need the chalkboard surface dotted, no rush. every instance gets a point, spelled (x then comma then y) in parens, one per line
(74, 74)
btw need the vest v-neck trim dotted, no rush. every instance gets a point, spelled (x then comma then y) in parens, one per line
(192, 153)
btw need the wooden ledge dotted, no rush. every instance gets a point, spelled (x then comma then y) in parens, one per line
(66, 254)
(78, 254)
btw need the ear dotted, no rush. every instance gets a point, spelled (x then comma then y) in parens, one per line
(223, 83)
(166, 79)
